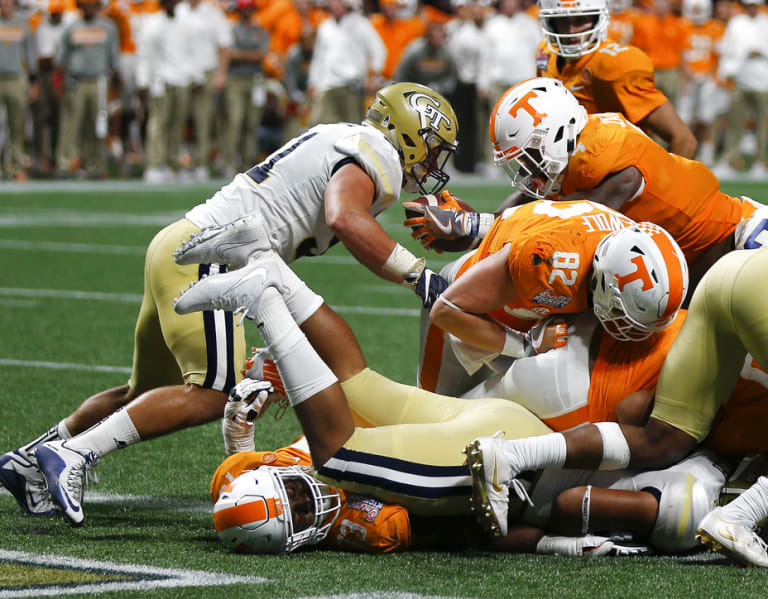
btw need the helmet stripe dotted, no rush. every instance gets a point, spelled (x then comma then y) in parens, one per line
(245, 513)
(677, 279)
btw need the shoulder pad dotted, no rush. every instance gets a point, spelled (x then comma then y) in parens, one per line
(614, 61)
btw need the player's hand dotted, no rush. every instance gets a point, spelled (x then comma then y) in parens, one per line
(547, 334)
(244, 405)
(451, 219)
(428, 286)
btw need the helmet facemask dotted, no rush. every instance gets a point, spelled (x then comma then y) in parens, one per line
(432, 167)
(574, 45)
(532, 173)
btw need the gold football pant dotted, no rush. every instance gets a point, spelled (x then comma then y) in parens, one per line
(413, 456)
(728, 317)
(204, 348)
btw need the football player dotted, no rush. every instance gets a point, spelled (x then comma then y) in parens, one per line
(409, 454)
(606, 76)
(549, 258)
(324, 186)
(727, 320)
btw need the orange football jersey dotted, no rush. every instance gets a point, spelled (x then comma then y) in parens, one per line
(700, 56)
(680, 195)
(364, 524)
(661, 38)
(551, 245)
(613, 78)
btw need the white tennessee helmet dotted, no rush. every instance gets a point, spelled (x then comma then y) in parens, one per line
(639, 281)
(555, 15)
(253, 512)
(534, 127)
(697, 11)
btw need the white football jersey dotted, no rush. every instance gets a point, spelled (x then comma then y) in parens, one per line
(288, 188)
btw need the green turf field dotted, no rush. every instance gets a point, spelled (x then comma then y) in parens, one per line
(71, 285)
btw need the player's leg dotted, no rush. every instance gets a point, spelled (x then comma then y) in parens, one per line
(183, 369)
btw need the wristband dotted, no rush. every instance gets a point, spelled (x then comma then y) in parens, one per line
(515, 344)
(403, 263)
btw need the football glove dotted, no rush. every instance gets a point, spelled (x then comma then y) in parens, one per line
(545, 335)
(244, 405)
(428, 286)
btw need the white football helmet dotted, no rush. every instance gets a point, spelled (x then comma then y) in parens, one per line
(554, 14)
(253, 513)
(697, 11)
(639, 281)
(534, 127)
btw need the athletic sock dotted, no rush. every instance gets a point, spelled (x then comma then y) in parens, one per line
(535, 453)
(752, 505)
(303, 372)
(116, 431)
(302, 302)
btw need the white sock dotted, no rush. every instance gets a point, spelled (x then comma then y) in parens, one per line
(302, 302)
(116, 431)
(62, 429)
(553, 545)
(752, 505)
(535, 453)
(303, 372)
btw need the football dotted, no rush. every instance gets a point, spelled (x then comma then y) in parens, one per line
(453, 202)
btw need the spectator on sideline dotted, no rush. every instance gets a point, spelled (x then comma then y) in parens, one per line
(211, 39)
(428, 61)
(621, 27)
(295, 81)
(88, 57)
(18, 81)
(467, 44)
(744, 68)
(512, 37)
(163, 75)
(346, 64)
(245, 95)
(396, 32)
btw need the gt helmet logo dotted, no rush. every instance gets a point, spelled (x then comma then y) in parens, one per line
(429, 111)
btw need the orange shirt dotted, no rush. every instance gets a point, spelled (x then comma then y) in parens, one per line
(396, 35)
(662, 38)
(700, 56)
(121, 16)
(550, 246)
(613, 78)
(681, 195)
(621, 27)
(287, 30)
(364, 524)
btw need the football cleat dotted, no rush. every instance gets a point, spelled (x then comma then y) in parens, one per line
(232, 244)
(752, 233)
(238, 291)
(64, 470)
(490, 491)
(736, 539)
(20, 475)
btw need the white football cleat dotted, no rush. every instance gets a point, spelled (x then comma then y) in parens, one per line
(490, 489)
(232, 244)
(752, 233)
(734, 538)
(64, 470)
(21, 476)
(238, 291)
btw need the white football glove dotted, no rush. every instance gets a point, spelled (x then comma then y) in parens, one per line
(244, 406)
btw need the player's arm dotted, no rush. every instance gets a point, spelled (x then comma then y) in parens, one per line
(667, 124)
(613, 191)
(462, 307)
(348, 199)
(635, 408)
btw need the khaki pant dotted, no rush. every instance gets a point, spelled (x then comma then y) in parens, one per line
(77, 128)
(241, 149)
(338, 105)
(13, 95)
(742, 101)
(201, 109)
(668, 81)
(167, 114)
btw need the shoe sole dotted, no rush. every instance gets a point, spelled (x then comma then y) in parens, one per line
(480, 504)
(712, 544)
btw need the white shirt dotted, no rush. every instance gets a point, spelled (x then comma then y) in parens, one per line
(287, 189)
(345, 51)
(162, 52)
(210, 30)
(49, 35)
(745, 34)
(467, 46)
(511, 50)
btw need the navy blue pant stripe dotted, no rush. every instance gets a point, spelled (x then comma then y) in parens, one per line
(395, 486)
(360, 457)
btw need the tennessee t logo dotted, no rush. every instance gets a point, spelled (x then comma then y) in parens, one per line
(641, 274)
(525, 105)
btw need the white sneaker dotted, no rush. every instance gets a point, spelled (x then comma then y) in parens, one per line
(231, 244)
(724, 171)
(21, 476)
(490, 483)
(65, 470)
(734, 538)
(238, 291)
(758, 172)
(201, 174)
(154, 175)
